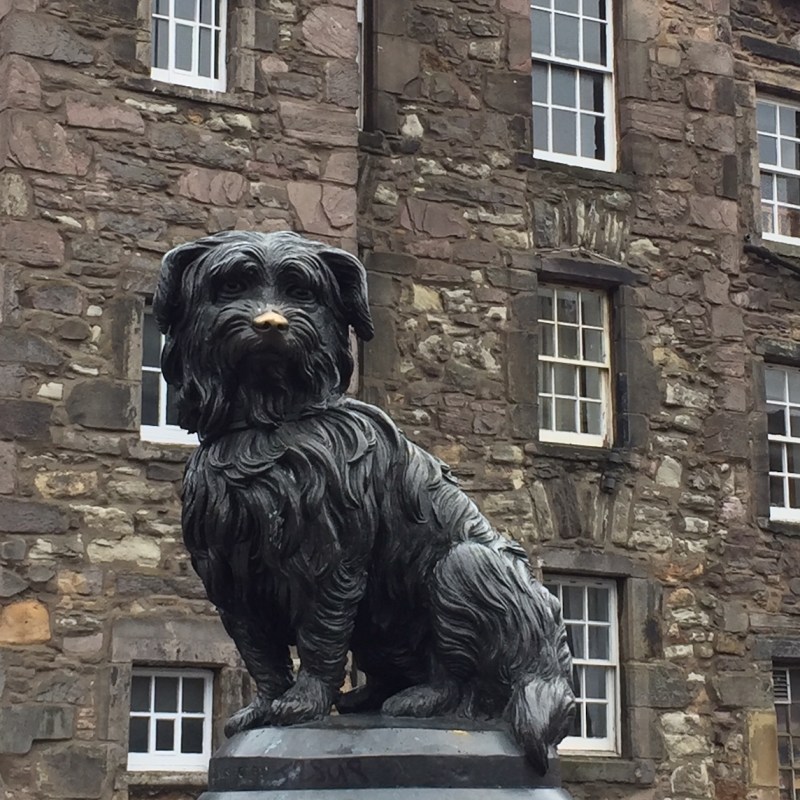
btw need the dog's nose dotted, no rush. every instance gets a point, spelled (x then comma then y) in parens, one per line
(270, 320)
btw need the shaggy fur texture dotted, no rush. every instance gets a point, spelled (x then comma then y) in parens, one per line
(314, 522)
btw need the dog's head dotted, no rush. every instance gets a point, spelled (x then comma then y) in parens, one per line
(257, 325)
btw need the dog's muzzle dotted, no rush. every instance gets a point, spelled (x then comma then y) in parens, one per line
(271, 320)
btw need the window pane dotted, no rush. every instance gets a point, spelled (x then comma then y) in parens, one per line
(138, 734)
(547, 341)
(794, 502)
(567, 342)
(792, 456)
(577, 679)
(788, 189)
(165, 734)
(590, 382)
(172, 406)
(150, 398)
(567, 306)
(766, 118)
(160, 47)
(151, 342)
(194, 694)
(185, 9)
(592, 418)
(776, 420)
(767, 150)
(564, 132)
(789, 119)
(564, 379)
(594, 42)
(766, 186)
(540, 77)
(599, 646)
(566, 31)
(591, 309)
(598, 603)
(565, 415)
(206, 7)
(546, 413)
(217, 53)
(789, 222)
(776, 495)
(166, 694)
(596, 723)
(594, 8)
(564, 85)
(782, 714)
(541, 140)
(793, 376)
(204, 63)
(540, 31)
(596, 682)
(775, 380)
(183, 47)
(572, 602)
(140, 693)
(592, 137)
(591, 91)
(161, 7)
(545, 378)
(567, 5)
(545, 304)
(776, 457)
(767, 220)
(789, 154)
(593, 345)
(192, 736)
(575, 641)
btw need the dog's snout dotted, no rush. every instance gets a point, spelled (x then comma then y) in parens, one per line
(271, 320)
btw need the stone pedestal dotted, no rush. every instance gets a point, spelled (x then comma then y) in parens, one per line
(378, 758)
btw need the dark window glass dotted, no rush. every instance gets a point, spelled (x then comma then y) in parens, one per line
(150, 388)
(165, 734)
(140, 693)
(166, 694)
(138, 733)
(193, 694)
(192, 736)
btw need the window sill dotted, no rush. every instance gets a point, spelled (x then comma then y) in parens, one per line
(245, 101)
(782, 247)
(782, 526)
(171, 779)
(571, 452)
(606, 769)
(619, 180)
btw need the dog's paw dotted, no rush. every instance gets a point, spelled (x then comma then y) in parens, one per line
(256, 715)
(307, 700)
(422, 701)
(364, 698)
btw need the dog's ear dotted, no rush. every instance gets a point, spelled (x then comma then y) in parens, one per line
(352, 279)
(167, 304)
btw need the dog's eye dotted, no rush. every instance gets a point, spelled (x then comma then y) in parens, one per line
(232, 287)
(300, 293)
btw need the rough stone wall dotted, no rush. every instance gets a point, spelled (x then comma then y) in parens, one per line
(101, 171)
(459, 225)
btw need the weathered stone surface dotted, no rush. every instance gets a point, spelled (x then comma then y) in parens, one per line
(14, 195)
(212, 186)
(24, 622)
(11, 583)
(20, 726)
(37, 244)
(74, 771)
(24, 419)
(103, 404)
(20, 86)
(91, 111)
(331, 31)
(60, 297)
(317, 124)
(137, 549)
(42, 36)
(39, 143)
(21, 516)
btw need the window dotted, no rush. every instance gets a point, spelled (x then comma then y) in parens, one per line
(778, 125)
(574, 367)
(590, 613)
(573, 101)
(159, 415)
(170, 720)
(188, 43)
(783, 433)
(360, 56)
(786, 688)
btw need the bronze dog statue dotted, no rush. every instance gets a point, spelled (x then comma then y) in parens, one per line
(312, 521)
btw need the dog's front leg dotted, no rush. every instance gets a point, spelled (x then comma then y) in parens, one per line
(323, 639)
(265, 653)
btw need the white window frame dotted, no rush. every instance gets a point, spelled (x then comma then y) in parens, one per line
(784, 513)
(163, 433)
(610, 745)
(360, 63)
(192, 78)
(609, 163)
(174, 760)
(573, 437)
(776, 170)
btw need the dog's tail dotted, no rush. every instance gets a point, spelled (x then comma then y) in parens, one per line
(540, 711)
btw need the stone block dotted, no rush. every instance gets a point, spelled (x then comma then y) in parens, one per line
(342, 83)
(381, 355)
(398, 63)
(762, 737)
(12, 548)
(78, 770)
(24, 419)
(103, 404)
(140, 550)
(743, 690)
(20, 726)
(715, 58)
(20, 85)
(37, 244)
(8, 465)
(24, 622)
(393, 263)
(317, 124)
(42, 35)
(11, 583)
(656, 686)
(22, 516)
(268, 31)
(723, 434)
(39, 143)
(212, 186)
(92, 111)
(331, 31)
(59, 297)
(508, 92)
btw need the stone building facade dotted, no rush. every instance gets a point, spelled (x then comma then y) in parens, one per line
(466, 228)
